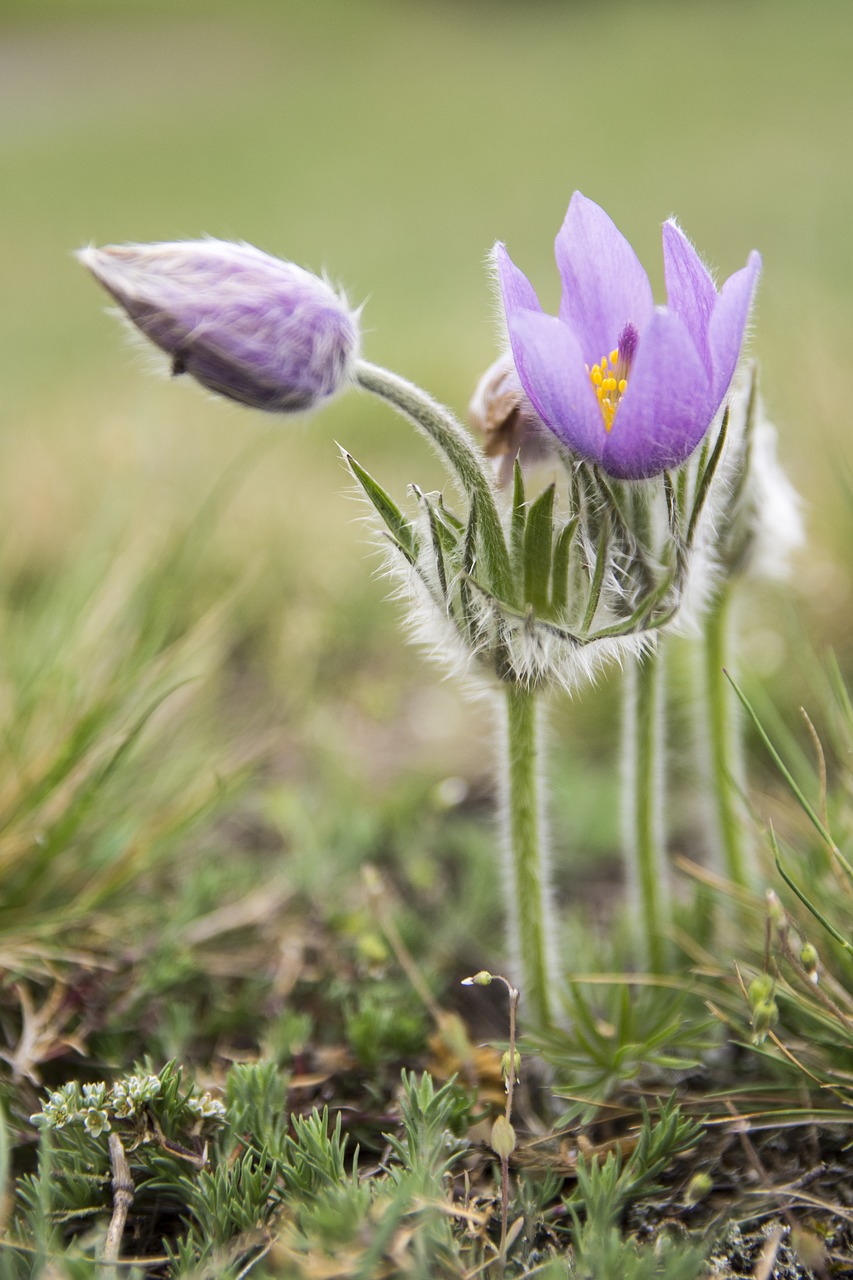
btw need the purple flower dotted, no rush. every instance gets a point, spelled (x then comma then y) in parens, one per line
(248, 326)
(623, 383)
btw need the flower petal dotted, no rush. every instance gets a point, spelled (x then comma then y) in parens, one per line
(729, 322)
(517, 291)
(604, 284)
(552, 371)
(666, 408)
(690, 291)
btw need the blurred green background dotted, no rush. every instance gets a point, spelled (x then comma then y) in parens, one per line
(389, 142)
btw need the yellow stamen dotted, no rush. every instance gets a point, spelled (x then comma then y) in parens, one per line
(610, 383)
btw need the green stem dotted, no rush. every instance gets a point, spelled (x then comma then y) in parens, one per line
(527, 872)
(724, 746)
(453, 442)
(643, 815)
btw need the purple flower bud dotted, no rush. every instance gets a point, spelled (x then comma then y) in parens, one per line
(260, 331)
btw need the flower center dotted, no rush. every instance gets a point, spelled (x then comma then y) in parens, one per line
(609, 377)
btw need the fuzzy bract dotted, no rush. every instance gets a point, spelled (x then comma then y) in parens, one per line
(248, 326)
(621, 382)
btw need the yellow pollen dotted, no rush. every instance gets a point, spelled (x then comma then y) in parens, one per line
(609, 384)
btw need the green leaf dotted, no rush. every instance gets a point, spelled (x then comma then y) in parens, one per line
(447, 534)
(597, 578)
(560, 570)
(538, 545)
(703, 486)
(451, 520)
(807, 808)
(807, 903)
(646, 607)
(517, 526)
(398, 526)
(436, 531)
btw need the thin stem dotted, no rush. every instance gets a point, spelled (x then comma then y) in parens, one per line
(123, 1192)
(642, 813)
(452, 441)
(724, 745)
(510, 1078)
(527, 862)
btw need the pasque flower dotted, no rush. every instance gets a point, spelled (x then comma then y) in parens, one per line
(246, 325)
(621, 382)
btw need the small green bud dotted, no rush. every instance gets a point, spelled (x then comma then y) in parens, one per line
(481, 979)
(775, 910)
(372, 949)
(503, 1138)
(505, 1066)
(810, 960)
(764, 1016)
(760, 989)
(699, 1186)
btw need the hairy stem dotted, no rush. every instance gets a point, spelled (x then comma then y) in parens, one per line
(642, 804)
(453, 443)
(724, 748)
(527, 863)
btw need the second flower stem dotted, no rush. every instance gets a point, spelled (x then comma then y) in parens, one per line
(642, 815)
(528, 865)
(725, 775)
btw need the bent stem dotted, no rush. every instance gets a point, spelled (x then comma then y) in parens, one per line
(643, 804)
(721, 732)
(451, 439)
(527, 870)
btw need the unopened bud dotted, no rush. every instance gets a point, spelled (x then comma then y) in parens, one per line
(506, 1070)
(248, 326)
(481, 979)
(764, 1016)
(760, 989)
(503, 1138)
(775, 910)
(810, 961)
(699, 1186)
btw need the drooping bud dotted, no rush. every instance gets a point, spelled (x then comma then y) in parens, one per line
(810, 961)
(480, 979)
(510, 426)
(698, 1188)
(764, 1016)
(247, 326)
(760, 989)
(775, 910)
(511, 1066)
(503, 1139)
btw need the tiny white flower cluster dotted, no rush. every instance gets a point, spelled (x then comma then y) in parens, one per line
(96, 1106)
(206, 1106)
